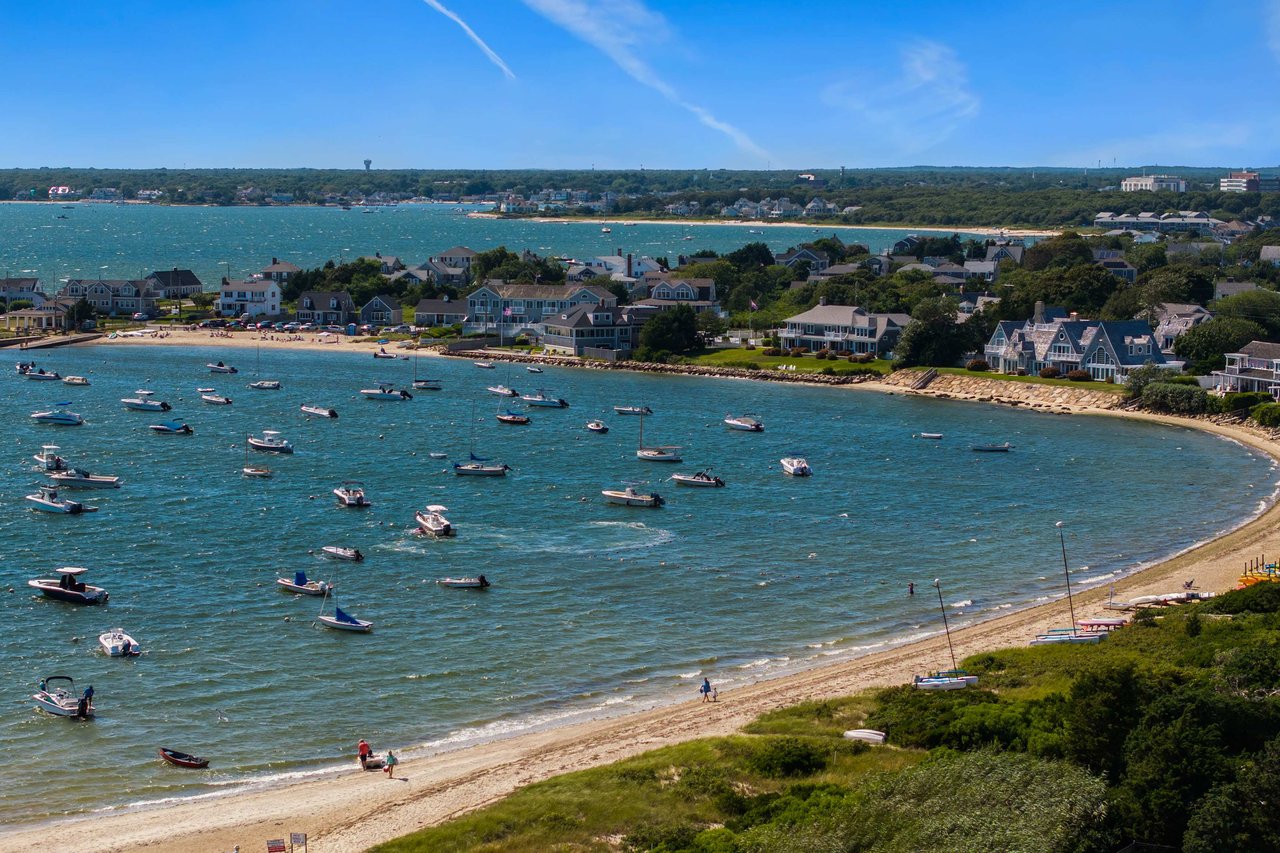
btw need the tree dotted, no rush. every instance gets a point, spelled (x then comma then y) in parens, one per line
(1260, 306)
(1204, 347)
(933, 337)
(674, 330)
(751, 256)
(80, 312)
(1240, 816)
(711, 325)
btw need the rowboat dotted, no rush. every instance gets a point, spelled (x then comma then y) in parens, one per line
(337, 552)
(183, 759)
(343, 621)
(319, 412)
(78, 478)
(743, 423)
(479, 582)
(633, 410)
(940, 683)
(57, 695)
(865, 735)
(796, 466)
(630, 497)
(117, 644)
(66, 588)
(933, 435)
(703, 479)
(302, 585)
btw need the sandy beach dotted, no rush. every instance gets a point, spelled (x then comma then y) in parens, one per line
(352, 810)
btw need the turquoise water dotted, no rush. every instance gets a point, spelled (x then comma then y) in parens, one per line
(130, 241)
(595, 609)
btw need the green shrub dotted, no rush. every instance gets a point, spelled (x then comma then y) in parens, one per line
(773, 351)
(1175, 399)
(750, 346)
(1239, 400)
(1079, 376)
(978, 365)
(1267, 414)
(828, 371)
(780, 757)
(1050, 373)
(1261, 597)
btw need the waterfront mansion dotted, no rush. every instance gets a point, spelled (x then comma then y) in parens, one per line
(843, 329)
(1106, 349)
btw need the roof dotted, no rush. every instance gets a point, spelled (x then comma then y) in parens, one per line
(458, 252)
(323, 296)
(579, 317)
(176, 278)
(19, 283)
(543, 291)
(1269, 253)
(847, 315)
(1261, 349)
(389, 301)
(252, 285)
(282, 266)
(439, 306)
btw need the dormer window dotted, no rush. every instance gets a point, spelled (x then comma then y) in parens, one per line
(333, 303)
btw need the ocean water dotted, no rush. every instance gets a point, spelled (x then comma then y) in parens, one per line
(130, 241)
(594, 609)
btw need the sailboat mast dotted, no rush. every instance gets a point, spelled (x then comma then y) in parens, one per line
(1067, 574)
(937, 584)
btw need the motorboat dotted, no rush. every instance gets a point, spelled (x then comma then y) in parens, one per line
(142, 402)
(351, 493)
(478, 582)
(221, 368)
(385, 392)
(796, 466)
(532, 369)
(502, 391)
(265, 385)
(936, 436)
(606, 230)
(483, 365)
(24, 367)
(57, 695)
(337, 552)
(302, 585)
(384, 354)
(597, 427)
(431, 521)
(630, 497)
(183, 759)
(428, 384)
(743, 423)
(436, 454)
(702, 479)
(66, 587)
(47, 500)
(60, 416)
(172, 428)
(993, 448)
(477, 468)
(74, 380)
(78, 478)
(270, 442)
(343, 621)
(542, 398)
(49, 459)
(44, 376)
(514, 418)
(319, 412)
(633, 410)
(117, 644)
(215, 399)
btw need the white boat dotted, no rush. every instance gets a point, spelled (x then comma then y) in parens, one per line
(337, 552)
(428, 384)
(477, 468)
(658, 453)
(431, 521)
(78, 478)
(743, 423)
(255, 472)
(385, 392)
(796, 466)
(270, 442)
(435, 454)
(865, 735)
(41, 375)
(702, 479)
(502, 391)
(216, 399)
(597, 427)
(936, 682)
(545, 400)
(606, 230)
(172, 428)
(117, 644)
(302, 585)
(1055, 638)
(478, 582)
(630, 497)
(143, 402)
(931, 435)
(221, 368)
(74, 380)
(633, 410)
(992, 448)
(266, 385)
(532, 369)
(343, 621)
(319, 412)
(48, 458)
(483, 365)
(57, 695)
(66, 587)
(47, 500)
(351, 494)
(59, 416)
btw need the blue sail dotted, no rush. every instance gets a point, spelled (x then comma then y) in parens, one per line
(342, 616)
(300, 578)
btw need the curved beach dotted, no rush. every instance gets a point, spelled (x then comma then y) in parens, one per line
(354, 810)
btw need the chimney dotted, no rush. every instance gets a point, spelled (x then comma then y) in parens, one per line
(1074, 316)
(619, 252)
(1039, 315)
(628, 265)
(275, 261)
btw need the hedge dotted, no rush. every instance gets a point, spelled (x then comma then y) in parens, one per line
(1266, 414)
(1175, 399)
(1237, 400)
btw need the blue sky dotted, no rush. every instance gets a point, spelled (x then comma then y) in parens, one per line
(630, 83)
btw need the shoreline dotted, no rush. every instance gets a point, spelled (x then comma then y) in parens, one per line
(353, 810)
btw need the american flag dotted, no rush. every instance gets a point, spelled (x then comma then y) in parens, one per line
(754, 306)
(506, 312)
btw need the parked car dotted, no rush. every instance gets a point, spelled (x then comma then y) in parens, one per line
(213, 324)
(141, 316)
(292, 327)
(402, 329)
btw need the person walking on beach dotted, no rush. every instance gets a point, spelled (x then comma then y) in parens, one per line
(705, 690)
(365, 750)
(390, 764)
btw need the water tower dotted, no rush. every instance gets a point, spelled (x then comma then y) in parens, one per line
(367, 164)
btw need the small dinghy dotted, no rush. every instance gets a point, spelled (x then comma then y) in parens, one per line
(597, 427)
(319, 412)
(351, 494)
(183, 759)
(438, 455)
(532, 369)
(221, 368)
(344, 621)
(117, 644)
(428, 384)
(302, 585)
(215, 399)
(703, 479)
(337, 552)
(478, 582)
(265, 385)
(57, 695)
(930, 435)
(993, 448)
(172, 428)
(514, 418)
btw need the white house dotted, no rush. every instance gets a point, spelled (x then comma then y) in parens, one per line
(257, 297)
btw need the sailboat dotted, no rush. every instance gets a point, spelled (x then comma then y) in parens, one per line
(951, 679)
(340, 620)
(424, 384)
(261, 472)
(1072, 634)
(476, 465)
(660, 453)
(262, 384)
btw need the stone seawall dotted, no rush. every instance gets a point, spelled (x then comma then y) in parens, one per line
(1008, 392)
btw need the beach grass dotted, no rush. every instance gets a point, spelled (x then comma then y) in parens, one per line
(744, 358)
(1103, 387)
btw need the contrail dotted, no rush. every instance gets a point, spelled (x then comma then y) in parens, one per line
(488, 51)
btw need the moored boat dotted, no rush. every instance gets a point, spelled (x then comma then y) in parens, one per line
(385, 392)
(478, 582)
(930, 435)
(142, 402)
(302, 585)
(743, 423)
(48, 458)
(270, 442)
(633, 410)
(630, 497)
(477, 468)
(172, 428)
(532, 369)
(78, 478)
(993, 448)
(215, 399)
(514, 418)
(702, 479)
(74, 380)
(796, 466)
(483, 365)
(597, 427)
(66, 588)
(428, 384)
(266, 385)
(57, 695)
(319, 411)
(502, 391)
(343, 621)
(117, 644)
(338, 552)
(50, 376)
(46, 500)
(183, 759)
(545, 400)
(59, 415)
(351, 493)
(431, 521)
(221, 368)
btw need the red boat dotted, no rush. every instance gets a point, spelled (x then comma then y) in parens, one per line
(181, 759)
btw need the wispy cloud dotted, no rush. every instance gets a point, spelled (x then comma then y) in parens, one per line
(471, 34)
(618, 28)
(926, 103)
(1272, 14)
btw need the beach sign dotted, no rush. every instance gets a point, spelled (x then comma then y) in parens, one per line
(276, 845)
(298, 839)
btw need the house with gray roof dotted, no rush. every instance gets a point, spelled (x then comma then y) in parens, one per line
(13, 289)
(1006, 252)
(1230, 287)
(1174, 319)
(382, 310)
(175, 284)
(586, 327)
(1106, 349)
(1256, 367)
(279, 270)
(985, 270)
(439, 312)
(326, 307)
(458, 257)
(511, 307)
(112, 296)
(843, 329)
(387, 264)
(818, 259)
